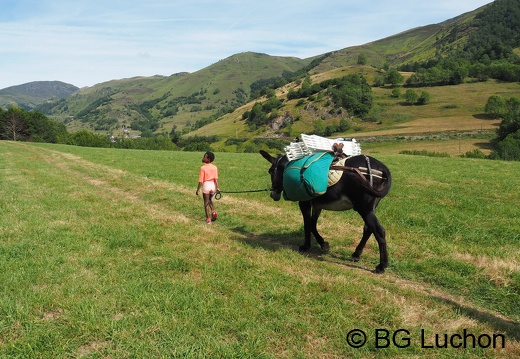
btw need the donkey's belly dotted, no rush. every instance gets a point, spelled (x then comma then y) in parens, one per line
(341, 204)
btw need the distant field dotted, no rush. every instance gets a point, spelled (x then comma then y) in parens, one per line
(437, 125)
(105, 254)
(451, 147)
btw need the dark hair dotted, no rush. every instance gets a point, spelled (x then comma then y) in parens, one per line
(210, 156)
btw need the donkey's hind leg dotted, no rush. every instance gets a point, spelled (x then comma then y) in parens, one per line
(359, 249)
(367, 230)
(372, 226)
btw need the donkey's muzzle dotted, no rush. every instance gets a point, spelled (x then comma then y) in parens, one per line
(276, 195)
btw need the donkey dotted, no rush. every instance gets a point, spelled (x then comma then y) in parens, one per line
(352, 191)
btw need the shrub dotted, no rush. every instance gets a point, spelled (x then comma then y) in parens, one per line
(476, 153)
(424, 153)
(508, 149)
(86, 138)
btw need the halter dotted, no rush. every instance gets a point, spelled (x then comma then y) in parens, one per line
(275, 174)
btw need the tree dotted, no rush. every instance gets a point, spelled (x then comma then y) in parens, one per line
(362, 59)
(344, 125)
(175, 135)
(18, 124)
(411, 96)
(352, 93)
(513, 107)
(306, 86)
(376, 113)
(320, 127)
(43, 129)
(13, 125)
(495, 106)
(257, 117)
(508, 149)
(507, 143)
(424, 98)
(394, 78)
(396, 92)
(88, 139)
(379, 80)
(511, 119)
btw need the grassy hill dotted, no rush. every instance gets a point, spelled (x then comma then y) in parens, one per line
(418, 44)
(32, 94)
(173, 100)
(183, 99)
(454, 113)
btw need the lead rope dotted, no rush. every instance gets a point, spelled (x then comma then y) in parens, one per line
(218, 195)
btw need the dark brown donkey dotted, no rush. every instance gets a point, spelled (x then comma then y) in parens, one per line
(363, 183)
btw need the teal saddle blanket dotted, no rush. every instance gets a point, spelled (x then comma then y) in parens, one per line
(307, 177)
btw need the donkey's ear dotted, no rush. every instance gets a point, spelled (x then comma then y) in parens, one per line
(267, 156)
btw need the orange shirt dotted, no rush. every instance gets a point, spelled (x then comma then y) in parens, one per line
(208, 172)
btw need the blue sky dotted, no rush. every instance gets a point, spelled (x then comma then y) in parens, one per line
(85, 42)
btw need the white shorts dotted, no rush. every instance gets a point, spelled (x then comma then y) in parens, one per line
(208, 187)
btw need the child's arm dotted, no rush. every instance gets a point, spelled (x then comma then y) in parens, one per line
(201, 179)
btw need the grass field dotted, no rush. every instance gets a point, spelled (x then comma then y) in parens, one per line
(105, 254)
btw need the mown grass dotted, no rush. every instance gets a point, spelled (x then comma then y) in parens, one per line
(104, 253)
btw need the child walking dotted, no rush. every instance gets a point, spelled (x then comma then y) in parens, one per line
(208, 181)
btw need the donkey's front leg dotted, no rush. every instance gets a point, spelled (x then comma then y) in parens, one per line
(306, 209)
(310, 219)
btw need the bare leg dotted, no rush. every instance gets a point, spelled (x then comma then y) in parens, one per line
(208, 204)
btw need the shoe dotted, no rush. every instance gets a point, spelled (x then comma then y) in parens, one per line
(208, 220)
(214, 216)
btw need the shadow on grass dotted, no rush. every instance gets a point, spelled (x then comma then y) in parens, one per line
(504, 325)
(483, 116)
(269, 241)
(292, 241)
(484, 145)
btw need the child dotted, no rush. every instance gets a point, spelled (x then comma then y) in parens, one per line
(208, 181)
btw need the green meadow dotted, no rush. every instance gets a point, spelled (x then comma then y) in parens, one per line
(104, 253)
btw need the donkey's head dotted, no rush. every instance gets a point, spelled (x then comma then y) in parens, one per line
(276, 172)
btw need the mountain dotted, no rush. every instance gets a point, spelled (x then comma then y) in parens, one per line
(158, 103)
(475, 55)
(32, 94)
(190, 101)
(418, 44)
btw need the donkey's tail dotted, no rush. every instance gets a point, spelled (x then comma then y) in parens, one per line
(383, 188)
(378, 183)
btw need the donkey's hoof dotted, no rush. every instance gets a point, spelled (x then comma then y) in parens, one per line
(355, 257)
(303, 248)
(325, 246)
(380, 269)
